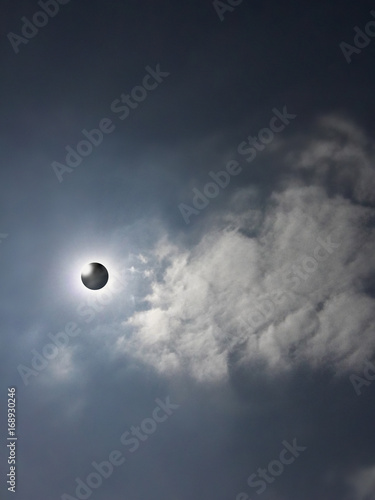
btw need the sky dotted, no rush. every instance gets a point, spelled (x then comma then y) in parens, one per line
(217, 157)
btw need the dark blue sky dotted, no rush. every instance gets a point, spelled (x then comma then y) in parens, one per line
(218, 159)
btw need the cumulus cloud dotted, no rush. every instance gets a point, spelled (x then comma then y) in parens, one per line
(285, 281)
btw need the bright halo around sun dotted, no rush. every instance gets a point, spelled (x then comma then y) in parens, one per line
(83, 268)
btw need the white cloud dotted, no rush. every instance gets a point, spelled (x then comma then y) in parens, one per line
(341, 155)
(197, 312)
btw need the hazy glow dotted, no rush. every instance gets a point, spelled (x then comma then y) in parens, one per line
(81, 266)
(86, 270)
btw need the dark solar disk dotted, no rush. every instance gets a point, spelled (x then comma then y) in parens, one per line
(94, 276)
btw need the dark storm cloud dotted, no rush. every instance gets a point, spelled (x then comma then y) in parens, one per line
(233, 316)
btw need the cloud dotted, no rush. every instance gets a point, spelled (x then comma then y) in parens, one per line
(254, 283)
(363, 483)
(340, 157)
